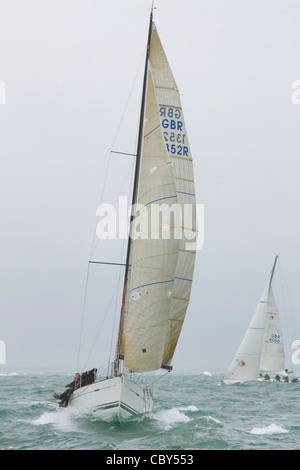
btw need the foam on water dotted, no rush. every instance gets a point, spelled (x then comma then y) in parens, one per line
(9, 375)
(210, 418)
(188, 408)
(168, 418)
(62, 419)
(271, 429)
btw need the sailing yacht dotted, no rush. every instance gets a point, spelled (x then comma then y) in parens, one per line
(261, 350)
(159, 270)
(2, 352)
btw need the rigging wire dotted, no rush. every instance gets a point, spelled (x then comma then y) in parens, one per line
(112, 152)
(119, 281)
(114, 203)
(100, 327)
(129, 97)
(93, 246)
(114, 322)
(159, 377)
(83, 315)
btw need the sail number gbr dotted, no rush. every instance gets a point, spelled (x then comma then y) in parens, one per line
(274, 338)
(173, 131)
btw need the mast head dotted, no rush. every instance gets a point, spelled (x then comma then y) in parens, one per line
(273, 269)
(152, 9)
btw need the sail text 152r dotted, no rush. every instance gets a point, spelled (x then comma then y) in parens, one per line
(173, 131)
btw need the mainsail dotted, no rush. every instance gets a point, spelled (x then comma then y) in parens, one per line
(261, 349)
(161, 260)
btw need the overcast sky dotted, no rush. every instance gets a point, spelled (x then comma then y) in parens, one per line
(70, 69)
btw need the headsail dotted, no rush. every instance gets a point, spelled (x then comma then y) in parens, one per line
(245, 364)
(161, 261)
(261, 349)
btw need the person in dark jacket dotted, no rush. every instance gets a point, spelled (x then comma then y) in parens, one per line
(88, 377)
(65, 396)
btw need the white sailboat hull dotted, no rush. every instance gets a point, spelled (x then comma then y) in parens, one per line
(115, 398)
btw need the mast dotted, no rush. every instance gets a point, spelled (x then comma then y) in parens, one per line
(272, 272)
(135, 188)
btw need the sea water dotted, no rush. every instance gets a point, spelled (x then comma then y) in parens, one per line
(192, 411)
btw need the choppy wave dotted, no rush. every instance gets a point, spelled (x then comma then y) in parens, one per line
(207, 373)
(270, 429)
(11, 374)
(166, 419)
(191, 411)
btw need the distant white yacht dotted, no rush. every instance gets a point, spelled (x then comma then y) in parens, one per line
(262, 349)
(2, 352)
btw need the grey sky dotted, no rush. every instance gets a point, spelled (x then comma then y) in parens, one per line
(69, 68)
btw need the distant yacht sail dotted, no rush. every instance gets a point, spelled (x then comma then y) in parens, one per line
(2, 352)
(261, 349)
